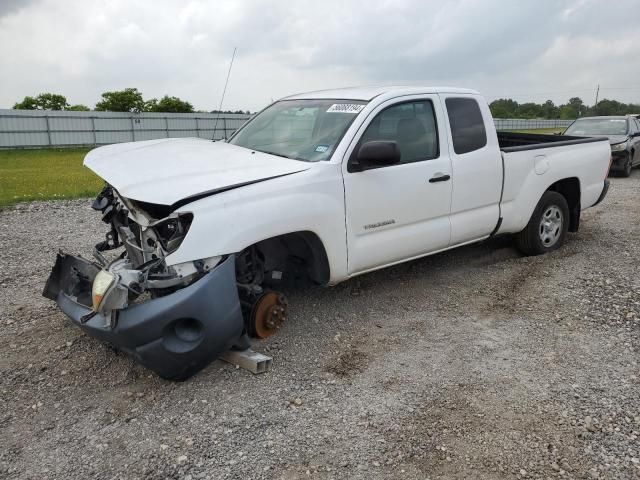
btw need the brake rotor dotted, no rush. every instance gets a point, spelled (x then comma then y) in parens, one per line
(268, 314)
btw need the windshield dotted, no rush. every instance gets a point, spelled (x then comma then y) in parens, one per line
(306, 130)
(598, 126)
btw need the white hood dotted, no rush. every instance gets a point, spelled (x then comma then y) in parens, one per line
(169, 170)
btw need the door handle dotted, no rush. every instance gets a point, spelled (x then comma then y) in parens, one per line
(439, 177)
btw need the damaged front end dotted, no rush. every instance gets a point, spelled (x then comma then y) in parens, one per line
(172, 319)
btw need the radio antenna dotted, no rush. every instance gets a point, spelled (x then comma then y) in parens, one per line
(224, 90)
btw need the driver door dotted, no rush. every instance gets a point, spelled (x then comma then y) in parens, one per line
(397, 212)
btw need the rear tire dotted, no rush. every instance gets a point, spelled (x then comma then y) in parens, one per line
(547, 227)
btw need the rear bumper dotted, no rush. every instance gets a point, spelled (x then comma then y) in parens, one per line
(175, 335)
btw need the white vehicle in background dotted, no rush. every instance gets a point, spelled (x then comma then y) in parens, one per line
(318, 187)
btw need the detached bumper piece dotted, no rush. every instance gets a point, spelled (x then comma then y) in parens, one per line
(175, 335)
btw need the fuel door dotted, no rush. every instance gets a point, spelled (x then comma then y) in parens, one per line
(540, 164)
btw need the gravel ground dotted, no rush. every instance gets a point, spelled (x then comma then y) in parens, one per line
(475, 363)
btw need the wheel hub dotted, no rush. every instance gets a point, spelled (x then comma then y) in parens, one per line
(268, 314)
(551, 226)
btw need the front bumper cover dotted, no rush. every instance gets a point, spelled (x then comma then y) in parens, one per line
(175, 335)
(619, 159)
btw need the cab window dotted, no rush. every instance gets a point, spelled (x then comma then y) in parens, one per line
(412, 125)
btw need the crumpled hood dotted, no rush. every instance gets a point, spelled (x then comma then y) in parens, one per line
(169, 170)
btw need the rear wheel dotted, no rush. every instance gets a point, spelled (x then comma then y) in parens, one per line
(547, 227)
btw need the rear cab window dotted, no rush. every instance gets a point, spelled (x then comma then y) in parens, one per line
(468, 132)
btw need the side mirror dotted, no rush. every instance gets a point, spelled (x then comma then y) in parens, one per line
(378, 153)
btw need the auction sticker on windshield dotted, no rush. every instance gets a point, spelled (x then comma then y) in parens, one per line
(345, 108)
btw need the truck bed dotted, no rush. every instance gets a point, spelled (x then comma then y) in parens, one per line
(515, 142)
(533, 162)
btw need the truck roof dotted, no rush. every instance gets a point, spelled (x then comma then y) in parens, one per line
(370, 92)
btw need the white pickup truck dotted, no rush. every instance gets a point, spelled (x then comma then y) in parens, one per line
(317, 187)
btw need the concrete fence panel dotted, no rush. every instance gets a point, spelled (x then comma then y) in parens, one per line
(44, 128)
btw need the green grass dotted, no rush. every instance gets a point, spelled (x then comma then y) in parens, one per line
(548, 131)
(27, 175)
(46, 174)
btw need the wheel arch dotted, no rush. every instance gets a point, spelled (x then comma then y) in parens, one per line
(569, 188)
(305, 245)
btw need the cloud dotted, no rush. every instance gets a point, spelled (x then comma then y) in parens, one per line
(535, 49)
(10, 6)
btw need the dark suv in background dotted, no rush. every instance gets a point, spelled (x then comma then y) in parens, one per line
(623, 133)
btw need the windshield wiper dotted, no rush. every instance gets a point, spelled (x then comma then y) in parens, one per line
(274, 153)
(279, 154)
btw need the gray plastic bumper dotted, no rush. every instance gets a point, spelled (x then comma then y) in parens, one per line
(175, 335)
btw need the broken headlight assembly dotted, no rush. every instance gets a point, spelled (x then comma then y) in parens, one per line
(137, 226)
(102, 285)
(172, 231)
(147, 241)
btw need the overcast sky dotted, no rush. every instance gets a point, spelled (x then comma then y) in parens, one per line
(527, 50)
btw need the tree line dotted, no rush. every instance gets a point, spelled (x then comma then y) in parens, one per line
(131, 100)
(127, 100)
(574, 108)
